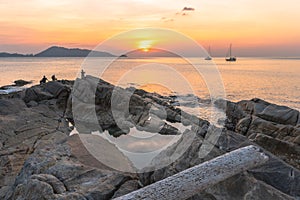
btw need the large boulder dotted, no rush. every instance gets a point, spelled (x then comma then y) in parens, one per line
(60, 92)
(279, 114)
(35, 93)
(268, 111)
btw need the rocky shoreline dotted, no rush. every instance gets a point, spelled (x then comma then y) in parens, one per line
(39, 160)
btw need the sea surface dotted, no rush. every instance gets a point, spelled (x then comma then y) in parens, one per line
(194, 82)
(273, 79)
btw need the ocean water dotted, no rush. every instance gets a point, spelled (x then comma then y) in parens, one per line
(274, 80)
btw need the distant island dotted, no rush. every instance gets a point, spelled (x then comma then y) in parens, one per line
(56, 51)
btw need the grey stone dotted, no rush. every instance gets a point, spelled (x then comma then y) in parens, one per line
(11, 106)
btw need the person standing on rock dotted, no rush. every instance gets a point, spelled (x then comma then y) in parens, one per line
(44, 80)
(82, 74)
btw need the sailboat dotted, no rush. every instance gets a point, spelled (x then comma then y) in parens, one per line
(230, 58)
(208, 57)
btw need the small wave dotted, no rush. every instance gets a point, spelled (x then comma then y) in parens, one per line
(11, 90)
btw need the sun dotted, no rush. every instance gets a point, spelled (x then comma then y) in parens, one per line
(145, 45)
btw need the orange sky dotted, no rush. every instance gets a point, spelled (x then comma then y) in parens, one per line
(255, 27)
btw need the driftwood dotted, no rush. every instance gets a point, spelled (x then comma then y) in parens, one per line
(189, 182)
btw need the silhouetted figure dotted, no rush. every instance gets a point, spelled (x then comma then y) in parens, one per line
(44, 80)
(82, 74)
(53, 77)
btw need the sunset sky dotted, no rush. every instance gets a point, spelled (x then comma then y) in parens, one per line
(254, 27)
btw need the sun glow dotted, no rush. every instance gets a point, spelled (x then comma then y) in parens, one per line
(145, 45)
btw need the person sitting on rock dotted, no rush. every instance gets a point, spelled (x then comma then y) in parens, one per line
(44, 80)
(53, 77)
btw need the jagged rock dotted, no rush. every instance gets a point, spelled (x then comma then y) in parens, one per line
(32, 103)
(22, 130)
(169, 130)
(270, 112)
(268, 125)
(57, 186)
(287, 151)
(249, 188)
(297, 140)
(55, 171)
(279, 114)
(279, 175)
(35, 93)
(279, 131)
(243, 125)
(11, 106)
(127, 187)
(60, 91)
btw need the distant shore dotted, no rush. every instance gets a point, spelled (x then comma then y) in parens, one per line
(56, 51)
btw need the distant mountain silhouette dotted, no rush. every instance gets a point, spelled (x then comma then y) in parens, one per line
(56, 51)
(4, 54)
(65, 52)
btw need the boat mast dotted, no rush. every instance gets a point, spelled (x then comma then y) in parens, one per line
(230, 50)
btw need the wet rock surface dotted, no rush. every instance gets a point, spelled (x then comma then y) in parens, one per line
(39, 160)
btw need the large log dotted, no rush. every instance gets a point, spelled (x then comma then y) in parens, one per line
(189, 182)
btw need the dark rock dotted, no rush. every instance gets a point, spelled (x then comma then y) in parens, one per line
(271, 126)
(11, 106)
(127, 187)
(35, 94)
(57, 186)
(279, 114)
(32, 104)
(280, 176)
(249, 188)
(58, 173)
(20, 82)
(243, 125)
(287, 151)
(169, 130)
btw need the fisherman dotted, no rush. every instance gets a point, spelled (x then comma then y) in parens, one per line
(53, 77)
(44, 79)
(82, 74)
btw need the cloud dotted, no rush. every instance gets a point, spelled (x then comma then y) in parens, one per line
(165, 19)
(188, 9)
